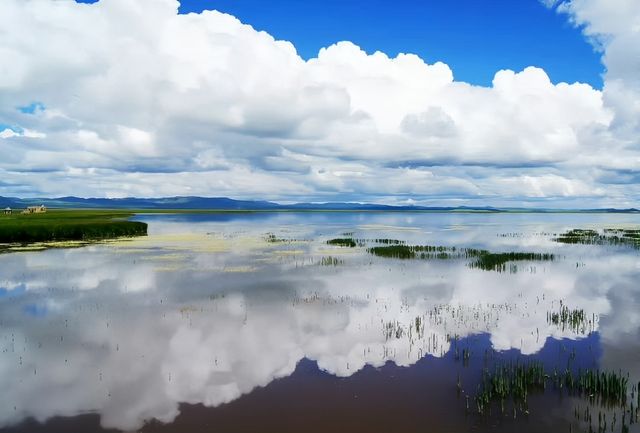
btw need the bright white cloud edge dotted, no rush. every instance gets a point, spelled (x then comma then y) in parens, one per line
(138, 100)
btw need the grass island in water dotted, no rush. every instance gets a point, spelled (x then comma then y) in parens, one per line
(68, 225)
(623, 237)
(482, 259)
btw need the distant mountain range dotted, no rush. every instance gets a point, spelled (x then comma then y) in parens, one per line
(224, 203)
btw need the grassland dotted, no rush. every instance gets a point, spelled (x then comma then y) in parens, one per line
(68, 225)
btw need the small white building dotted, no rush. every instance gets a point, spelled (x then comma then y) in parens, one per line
(8, 211)
(35, 209)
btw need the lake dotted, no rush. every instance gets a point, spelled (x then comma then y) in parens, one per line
(246, 322)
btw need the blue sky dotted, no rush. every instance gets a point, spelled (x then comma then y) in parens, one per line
(501, 102)
(476, 38)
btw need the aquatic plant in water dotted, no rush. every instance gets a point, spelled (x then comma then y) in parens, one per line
(343, 242)
(515, 381)
(622, 237)
(489, 261)
(483, 259)
(575, 320)
(330, 261)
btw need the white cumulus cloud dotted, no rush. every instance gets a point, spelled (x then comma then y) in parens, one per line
(143, 100)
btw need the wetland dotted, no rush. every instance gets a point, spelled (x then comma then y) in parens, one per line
(325, 321)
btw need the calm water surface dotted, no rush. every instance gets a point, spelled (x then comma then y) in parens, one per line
(205, 325)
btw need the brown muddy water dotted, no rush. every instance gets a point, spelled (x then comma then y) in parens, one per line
(266, 323)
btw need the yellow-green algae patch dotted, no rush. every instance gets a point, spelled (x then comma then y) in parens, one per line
(288, 252)
(336, 251)
(171, 268)
(239, 269)
(165, 257)
(182, 242)
(252, 243)
(41, 246)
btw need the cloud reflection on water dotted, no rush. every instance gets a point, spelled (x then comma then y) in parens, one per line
(130, 331)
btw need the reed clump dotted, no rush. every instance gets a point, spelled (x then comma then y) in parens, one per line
(498, 261)
(402, 251)
(330, 261)
(343, 242)
(620, 237)
(608, 388)
(575, 320)
(385, 241)
(515, 381)
(273, 239)
(482, 259)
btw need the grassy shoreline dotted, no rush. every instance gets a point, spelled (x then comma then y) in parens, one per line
(68, 225)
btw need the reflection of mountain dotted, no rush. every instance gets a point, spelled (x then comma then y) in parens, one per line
(132, 330)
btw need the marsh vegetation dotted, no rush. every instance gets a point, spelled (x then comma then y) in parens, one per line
(575, 320)
(482, 259)
(607, 236)
(343, 242)
(330, 261)
(510, 385)
(68, 225)
(214, 308)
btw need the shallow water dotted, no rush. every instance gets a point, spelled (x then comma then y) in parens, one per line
(205, 325)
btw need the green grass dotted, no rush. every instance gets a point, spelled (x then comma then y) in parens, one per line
(68, 225)
(273, 239)
(425, 252)
(343, 242)
(572, 319)
(482, 259)
(498, 261)
(515, 381)
(624, 237)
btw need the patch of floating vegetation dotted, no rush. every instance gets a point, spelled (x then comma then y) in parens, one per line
(520, 235)
(169, 257)
(483, 259)
(330, 261)
(42, 246)
(488, 261)
(402, 251)
(17, 248)
(344, 242)
(170, 268)
(187, 243)
(623, 237)
(574, 320)
(239, 269)
(273, 239)
(288, 252)
(389, 241)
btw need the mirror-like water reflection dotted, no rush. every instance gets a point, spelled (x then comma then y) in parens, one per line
(182, 330)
